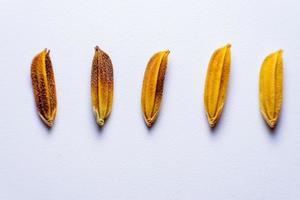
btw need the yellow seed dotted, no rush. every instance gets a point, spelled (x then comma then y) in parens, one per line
(270, 87)
(102, 85)
(216, 84)
(153, 83)
(43, 84)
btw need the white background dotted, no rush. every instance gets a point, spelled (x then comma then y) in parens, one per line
(180, 157)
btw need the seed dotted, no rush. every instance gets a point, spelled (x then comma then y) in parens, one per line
(270, 87)
(102, 85)
(216, 84)
(43, 84)
(153, 83)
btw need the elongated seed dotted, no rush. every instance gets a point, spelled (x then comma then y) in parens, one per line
(153, 83)
(102, 85)
(43, 84)
(216, 84)
(270, 87)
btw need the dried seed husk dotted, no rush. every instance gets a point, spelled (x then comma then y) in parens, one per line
(102, 85)
(270, 87)
(153, 83)
(216, 84)
(43, 84)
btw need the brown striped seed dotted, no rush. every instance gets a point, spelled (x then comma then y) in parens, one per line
(153, 83)
(216, 84)
(102, 85)
(270, 87)
(43, 83)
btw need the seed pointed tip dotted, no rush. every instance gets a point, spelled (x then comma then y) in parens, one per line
(49, 123)
(211, 121)
(45, 51)
(280, 51)
(271, 123)
(228, 45)
(97, 48)
(212, 124)
(148, 123)
(100, 122)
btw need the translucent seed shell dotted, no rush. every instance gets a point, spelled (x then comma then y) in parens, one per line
(216, 84)
(270, 87)
(43, 84)
(102, 85)
(153, 83)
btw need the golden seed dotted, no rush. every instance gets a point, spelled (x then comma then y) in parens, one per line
(270, 87)
(43, 84)
(153, 83)
(216, 84)
(102, 85)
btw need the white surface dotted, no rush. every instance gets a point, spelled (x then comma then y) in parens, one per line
(180, 158)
